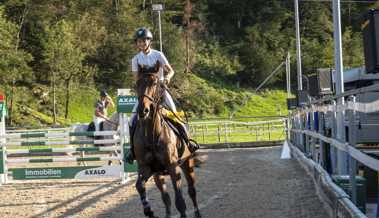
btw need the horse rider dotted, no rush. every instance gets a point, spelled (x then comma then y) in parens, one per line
(147, 58)
(101, 110)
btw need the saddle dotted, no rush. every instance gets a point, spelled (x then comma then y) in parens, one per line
(180, 134)
(174, 126)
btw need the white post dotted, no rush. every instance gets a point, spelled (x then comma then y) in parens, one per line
(160, 30)
(123, 175)
(342, 156)
(288, 75)
(124, 137)
(352, 161)
(159, 8)
(298, 47)
(333, 149)
(321, 130)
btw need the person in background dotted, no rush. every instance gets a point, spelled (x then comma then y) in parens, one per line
(101, 106)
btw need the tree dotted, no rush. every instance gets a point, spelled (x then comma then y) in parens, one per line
(64, 58)
(352, 49)
(13, 61)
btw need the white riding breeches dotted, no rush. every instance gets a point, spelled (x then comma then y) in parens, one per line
(97, 121)
(167, 100)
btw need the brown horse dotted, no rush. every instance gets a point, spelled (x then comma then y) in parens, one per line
(156, 148)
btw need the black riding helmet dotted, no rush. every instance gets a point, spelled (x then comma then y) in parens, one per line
(103, 93)
(143, 33)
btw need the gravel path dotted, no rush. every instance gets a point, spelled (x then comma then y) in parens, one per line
(248, 183)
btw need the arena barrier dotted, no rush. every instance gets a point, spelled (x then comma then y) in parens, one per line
(12, 151)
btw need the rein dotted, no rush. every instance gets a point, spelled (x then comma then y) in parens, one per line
(155, 100)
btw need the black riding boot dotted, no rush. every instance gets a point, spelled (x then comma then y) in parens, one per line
(131, 156)
(192, 144)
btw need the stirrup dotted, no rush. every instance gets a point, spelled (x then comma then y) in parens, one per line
(193, 145)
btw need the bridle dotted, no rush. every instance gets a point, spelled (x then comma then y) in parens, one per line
(155, 99)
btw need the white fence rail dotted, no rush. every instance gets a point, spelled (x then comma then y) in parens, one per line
(237, 131)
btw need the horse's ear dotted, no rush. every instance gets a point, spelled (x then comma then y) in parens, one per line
(139, 68)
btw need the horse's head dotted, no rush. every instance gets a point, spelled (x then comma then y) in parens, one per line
(148, 90)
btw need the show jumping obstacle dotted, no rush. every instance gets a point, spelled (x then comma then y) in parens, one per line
(117, 144)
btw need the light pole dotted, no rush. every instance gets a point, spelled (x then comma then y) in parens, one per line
(298, 47)
(159, 8)
(342, 156)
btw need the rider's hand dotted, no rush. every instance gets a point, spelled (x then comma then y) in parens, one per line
(166, 81)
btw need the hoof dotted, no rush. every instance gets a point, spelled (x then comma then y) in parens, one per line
(197, 214)
(149, 213)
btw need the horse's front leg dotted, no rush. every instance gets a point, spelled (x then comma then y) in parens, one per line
(160, 183)
(144, 173)
(189, 173)
(176, 183)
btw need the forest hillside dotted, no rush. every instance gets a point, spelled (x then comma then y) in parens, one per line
(221, 51)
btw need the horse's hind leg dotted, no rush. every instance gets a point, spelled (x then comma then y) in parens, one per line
(160, 183)
(143, 175)
(176, 183)
(189, 173)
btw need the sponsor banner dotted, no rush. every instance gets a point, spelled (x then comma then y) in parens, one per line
(2, 160)
(125, 103)
(2, 109)
(100, 172)
(86, 172)
(46, 173)
(131, 167)
(80, 172)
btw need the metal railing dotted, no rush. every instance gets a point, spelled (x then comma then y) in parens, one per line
(309, 133)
